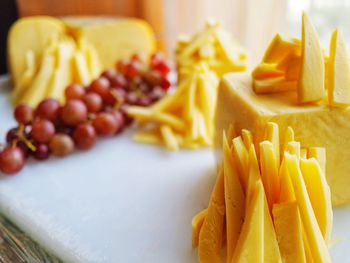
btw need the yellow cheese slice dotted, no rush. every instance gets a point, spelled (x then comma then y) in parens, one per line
(293, 148)
(30, 33)
(26, 79)
(234, 200)
(197, 222)
(320, 195)
(37, 90)
(273, 135)
(211, 234)
(267, 70)
(311, 86)
(273, 85)
(338, 83)
(289, 232)
(62, 75)
(269, 172)
(253, 176)
(287, 194)
(240, 156)
(247, 138)
(288, 136)
(293, 69)
(319, 153)
(250, 246)
(280, 47)
(314, 236)
(303, 153)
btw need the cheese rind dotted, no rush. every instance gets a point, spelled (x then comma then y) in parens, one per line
(313, 125)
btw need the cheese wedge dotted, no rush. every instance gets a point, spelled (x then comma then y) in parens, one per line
(313, 125)
(211, 234)
(338, 72)
(320, 195)
(30, 33)
(318, 246)
(280, 47)
(273, 85)
(267, 70)
(250, 247)
(234, 200)
(311, 86)
(289, 232)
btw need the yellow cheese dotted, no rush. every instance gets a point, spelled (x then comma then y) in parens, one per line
(197, 223)
(338, 72)
(314, 236)
(234, 200)
(113, 38)
(320, 195)
(319, 153)
(311, 86)
(253, 176)
(267, 70)
(280, 47)
(293, 148)
(293, 69)
(30, 33)
(211, 234)
(250, 246)
(269, 172)
(62, 75)
(287, 192)
(240, 156)
(169, 138)
(81, 72)
(313, 125)
(247, 138)
(273, 135)
(26, 79)
(37, 90)
(288, 137)
(289, 232)
(273, 85)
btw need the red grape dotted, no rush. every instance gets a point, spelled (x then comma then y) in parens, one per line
(153, 77)
(43, 131)
(74, 112)
(108, 74)
(23, 146)
(144, 101)
(133, 69)
(61, 145)
(105, 124)
(118, 81)
(132, 98)
(48, 109)
(23, 114)
(122, 66)
(100, 86)
(93, 102)
(84, 136)
(42, 152)
(166, 84)
(12, 135)
(11, 160)
(74, 91)
(119, 116)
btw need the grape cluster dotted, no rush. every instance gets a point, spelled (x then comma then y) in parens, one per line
(95, 110)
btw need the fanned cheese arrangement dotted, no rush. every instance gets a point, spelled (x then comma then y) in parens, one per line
(297, 84)
(185, 117)
(46, 54)
(270, 203)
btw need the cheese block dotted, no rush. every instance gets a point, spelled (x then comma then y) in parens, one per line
(113, 38)
(338, 72)
(31, 33)
(314, 125)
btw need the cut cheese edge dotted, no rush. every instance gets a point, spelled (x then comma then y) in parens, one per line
(311, 84)
(273, 85)
(338, 72)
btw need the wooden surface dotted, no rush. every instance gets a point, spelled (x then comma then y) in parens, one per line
(17, 247)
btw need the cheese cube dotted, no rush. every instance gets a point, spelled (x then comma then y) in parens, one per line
(314, 125)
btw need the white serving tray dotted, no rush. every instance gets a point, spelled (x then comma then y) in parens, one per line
(119, 202)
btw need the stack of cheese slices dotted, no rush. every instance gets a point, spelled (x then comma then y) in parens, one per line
(270, 203)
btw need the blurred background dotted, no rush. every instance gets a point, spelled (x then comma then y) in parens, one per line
(252, 22)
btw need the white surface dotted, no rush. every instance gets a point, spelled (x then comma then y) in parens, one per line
(119, 202)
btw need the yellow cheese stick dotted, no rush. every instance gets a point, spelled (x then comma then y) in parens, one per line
(273, 135)
(293, 148)
(147, 137)
(240, 155)
(247, 138)
(287, 192)
(319, 153)
(253, 176)
(234, 200)
(169, 138)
